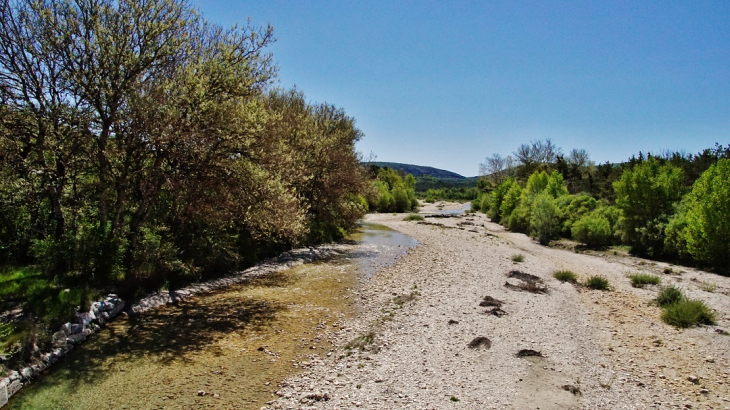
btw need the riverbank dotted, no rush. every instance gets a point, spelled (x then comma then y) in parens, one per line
(598, 350)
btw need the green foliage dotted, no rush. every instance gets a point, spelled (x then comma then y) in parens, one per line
(574, 207)
(510, 201)
(565, 276)
(598, 282)
(544, 222)
(639, 280)
(688, 313)
(413, 217)
(162, 153)
(496, 199)
(668, 296)
(393, 193)
(517, 257)
(703, 225)
(593, 229)
(646, 195)
(519, 219)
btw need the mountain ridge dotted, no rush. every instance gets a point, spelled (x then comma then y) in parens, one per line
(420, 170)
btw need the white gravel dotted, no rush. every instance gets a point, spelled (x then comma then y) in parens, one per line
(612, 346)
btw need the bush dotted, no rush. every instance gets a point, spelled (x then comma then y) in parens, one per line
(518, 220)
(688, 313)
(639, 280)
(705, 226)
(510, 202)
(593, 229)
(413, 217)
(565, 276)
(518, 257)
(646, 195)
(668, 296)
(544, 223)
(598, 282)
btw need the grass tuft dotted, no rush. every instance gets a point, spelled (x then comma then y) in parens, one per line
(518, 257)
(565, 276)
(639, 280)
(688, 313)
(668, 296)
(413, 217)
(598, 282)
(708, 287)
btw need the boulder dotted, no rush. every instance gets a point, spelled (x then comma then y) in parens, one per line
(59, 338)
(76, 338)
(26, 373)
(85, 318)
(14, 376)
(13, 387)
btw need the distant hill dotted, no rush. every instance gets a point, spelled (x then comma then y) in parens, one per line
(430, 177)
(419, 170)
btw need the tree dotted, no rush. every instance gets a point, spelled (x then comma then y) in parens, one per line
(705, 226)
(646, 195)
(497, 168)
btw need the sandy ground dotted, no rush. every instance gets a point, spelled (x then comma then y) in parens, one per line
(408, 346)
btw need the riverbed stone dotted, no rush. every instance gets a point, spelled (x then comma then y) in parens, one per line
(14, 375)
(59, 338)
(13, 387)
(76, 338)
(26, 373)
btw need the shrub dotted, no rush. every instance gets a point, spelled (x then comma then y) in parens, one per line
(518, 220)
(593, 229)
(574, 207)
(510, 202)
(565, 276)
(646, 195)
(413, 217)
(688, 313)
(639, 280)
(705, 230)
(598, 282)
(668, 296)
(517, 257)
(544, 222)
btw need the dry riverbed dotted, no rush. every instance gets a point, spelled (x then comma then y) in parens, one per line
(421, 340)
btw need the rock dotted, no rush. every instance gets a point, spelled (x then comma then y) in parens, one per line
(573, 389)
(85, 318)
(453, 322)
(76, 338)
(490, 301)
(59, 338)
(480, 341)
(67, 328)
(694, 379)
(76, 329)
(14, 376)
(216, 395)
(528, 353)
(710, 359)
(13, 387)
(26, 373)
(201, 393)
(316, 396)
(704, 391)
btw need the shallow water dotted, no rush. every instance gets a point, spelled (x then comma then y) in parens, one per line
(236, 344)
(466, 207)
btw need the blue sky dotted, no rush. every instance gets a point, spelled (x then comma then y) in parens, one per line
(449, 83)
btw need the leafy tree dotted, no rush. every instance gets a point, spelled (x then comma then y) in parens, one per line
(646, 195)
(544, 221)
(593, 229)
(704, 223)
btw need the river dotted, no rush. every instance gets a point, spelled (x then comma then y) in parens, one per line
(226, 349)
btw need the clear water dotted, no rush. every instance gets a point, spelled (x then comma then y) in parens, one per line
(236, 344)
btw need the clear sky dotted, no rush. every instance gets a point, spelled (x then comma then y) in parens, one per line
(448, 83)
